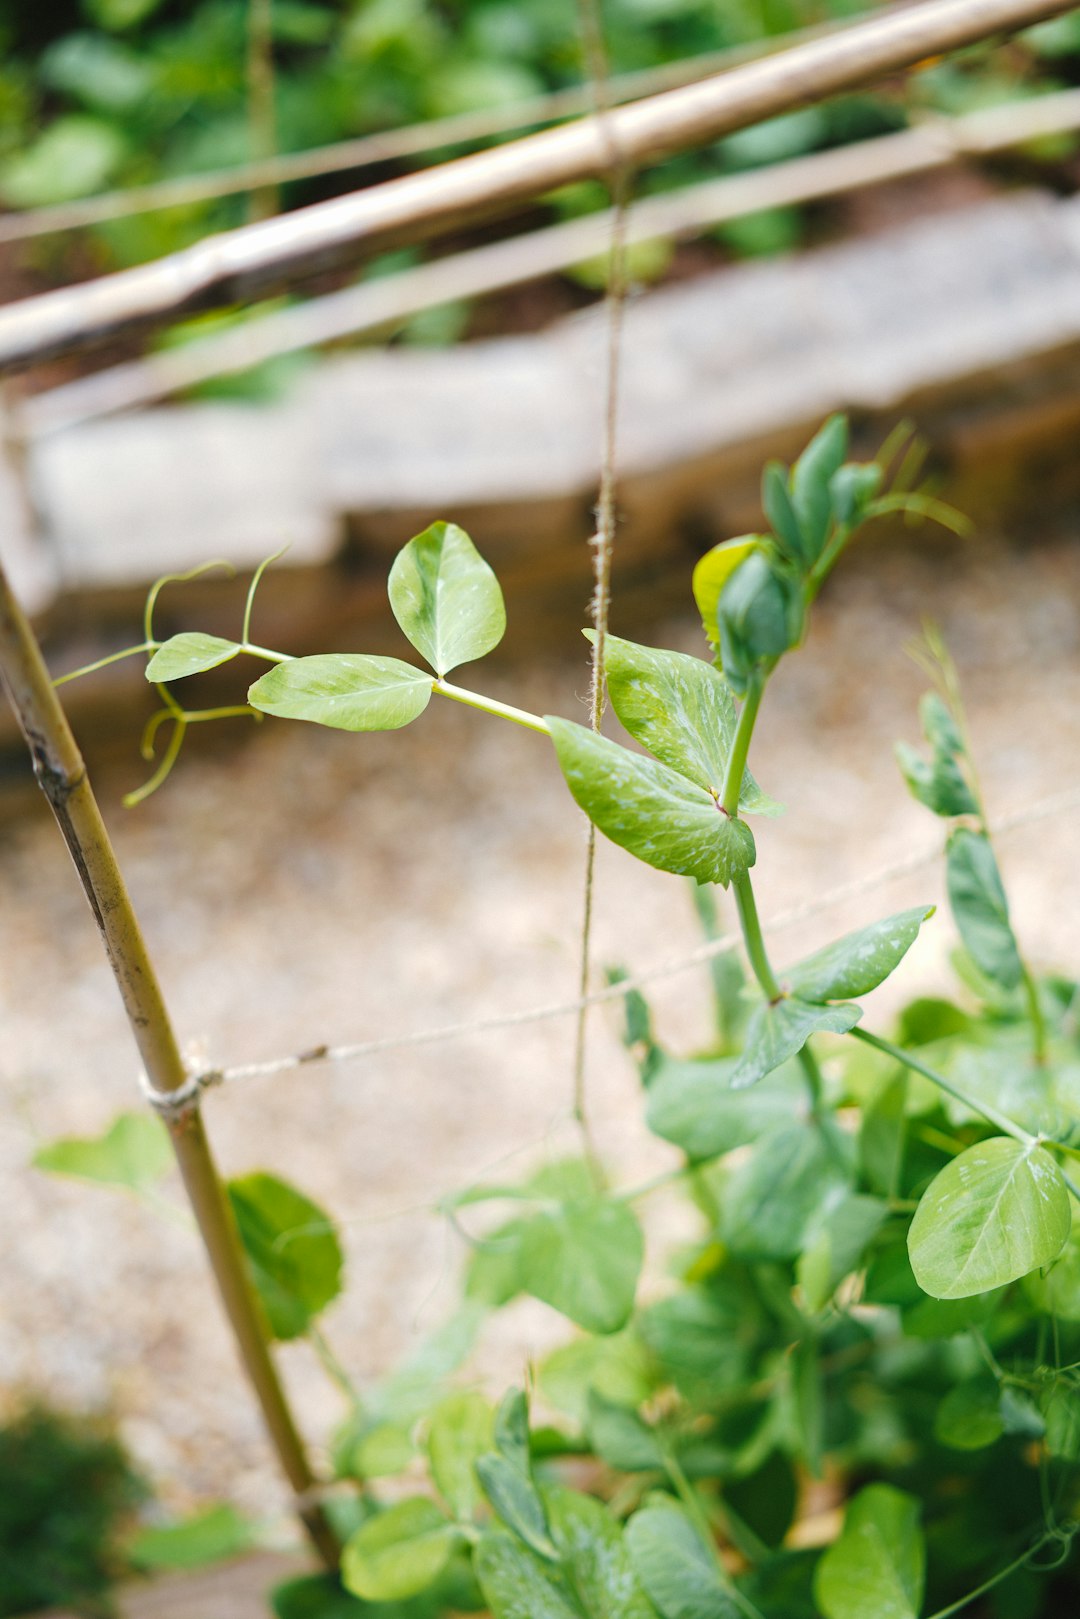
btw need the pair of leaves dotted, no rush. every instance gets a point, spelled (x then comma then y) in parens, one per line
(939, 783)
(854, 965)
(997, 1212)
(800, 506)
(664, 810)
(446, 599)
(293, 1250)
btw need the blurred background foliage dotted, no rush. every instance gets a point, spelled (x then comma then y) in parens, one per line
(96, 94)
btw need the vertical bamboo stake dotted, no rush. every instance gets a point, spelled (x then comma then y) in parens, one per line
(62, 777)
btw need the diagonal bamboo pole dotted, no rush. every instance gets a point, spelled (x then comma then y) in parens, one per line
(257, 259)
(62, 777)
(387, 145)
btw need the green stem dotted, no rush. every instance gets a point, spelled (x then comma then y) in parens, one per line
(472, 699)
(752, 936)
(740, 745)
(999, 1120)
(233, 711)
(333, 1368)
(101, 663)
(697, 1515)
(1002, 1574)
(264, 652)
(1035, 1013)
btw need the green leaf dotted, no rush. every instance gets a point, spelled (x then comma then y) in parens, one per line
(209, 1537)
(459, 1433)
(774, 1198)
(851, 489)
(617, 1367)
(584, 1259)
(446, 598)
(712, 573)
(133, 1152)
(73, 157)
(1057, 1291)
(188, 654)
(650, 810)
(398, 1552)
(701, 1336)
(980, 908)
(295, 1255)
(511, 1432)
(808, 1403)
(590, 1543)
(939, 784)
(678, 1571)
(620, 1437)
(811, 477)
(119, 14)
(969, 1417)
(776, 501)
(516, 1501)
(382, 1451)
(760, 615)
(939, 726)
(681, 710)
(858, 962)
(516, 1584)
(349, 691)
(692, 1104)
(766, 1500)
(883, 1135)
(993, 1214)
(1061, 1413)
(878, 1565)
(838, 1246)
(780, 1031)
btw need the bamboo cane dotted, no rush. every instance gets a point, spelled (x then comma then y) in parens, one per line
(387, 145)
(381, 304)
(258, 259)
(62, 776)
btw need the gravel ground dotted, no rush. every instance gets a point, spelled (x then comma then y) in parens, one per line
(313, 887)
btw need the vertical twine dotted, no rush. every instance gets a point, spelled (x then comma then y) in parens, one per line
(603, 541)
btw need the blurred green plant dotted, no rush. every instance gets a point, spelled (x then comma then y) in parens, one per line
(66, 1491)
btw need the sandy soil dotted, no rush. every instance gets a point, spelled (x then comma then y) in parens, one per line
(312, 887)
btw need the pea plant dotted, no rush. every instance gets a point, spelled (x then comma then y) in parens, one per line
(858, 1394)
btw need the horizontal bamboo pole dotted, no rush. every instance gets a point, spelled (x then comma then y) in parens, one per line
(257, 259)
(62, 776)
(381, 305)
(385, 146)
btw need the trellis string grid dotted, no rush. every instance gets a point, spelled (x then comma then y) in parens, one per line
(791, 916)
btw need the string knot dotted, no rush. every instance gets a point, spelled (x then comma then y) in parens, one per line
(176, 1104)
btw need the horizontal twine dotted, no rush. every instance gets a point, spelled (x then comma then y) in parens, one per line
(173, 1104)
